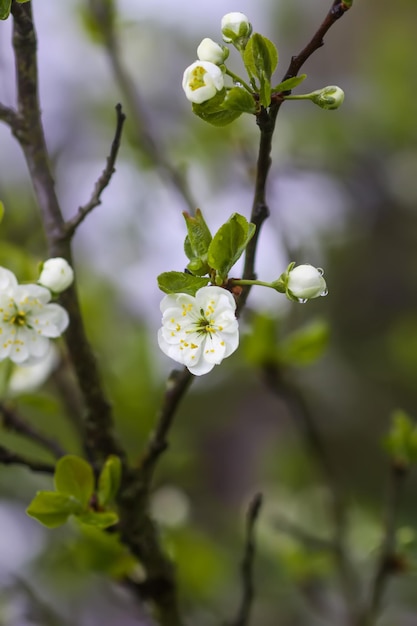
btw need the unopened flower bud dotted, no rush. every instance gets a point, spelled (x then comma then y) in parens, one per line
(328, 97)
(236, 29)
(201, 81)
(56, 275)
(209, 50)
(305, 282)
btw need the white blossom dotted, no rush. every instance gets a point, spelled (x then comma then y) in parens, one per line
(201, 81)
(305, 282)
(199, 332)
(56, 275)
(27, 320)
(235, 27)
(209, 50)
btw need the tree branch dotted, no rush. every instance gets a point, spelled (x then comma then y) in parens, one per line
(10, 117)
(15, 422)
(248, 587)
(103, 181)
(7, 457)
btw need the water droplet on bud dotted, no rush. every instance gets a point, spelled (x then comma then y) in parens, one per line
(302, 300)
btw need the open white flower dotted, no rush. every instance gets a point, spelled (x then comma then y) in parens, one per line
(199, 332)
(209, 50)
(27, 320)
(57, 274)
(201, 81)
(306, 282)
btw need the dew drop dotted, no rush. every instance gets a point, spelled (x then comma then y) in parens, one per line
(320, 271)
(302, 300)
(325, 292)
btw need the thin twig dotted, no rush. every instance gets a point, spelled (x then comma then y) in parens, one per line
(7, 457)
(10, 117)
(177, 384)
(16, 423)
(247, 577)
(389, 562)
(95, 200)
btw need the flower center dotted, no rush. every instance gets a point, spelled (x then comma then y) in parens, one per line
(204, 325)
(197, 78)
(17, 318)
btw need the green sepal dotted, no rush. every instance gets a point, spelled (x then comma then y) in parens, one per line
(74, 477)
(99, 519)
(5, 6)
(109, 480)
(238, 99)
(401, 441)
(52, 509)
(197, 242)
(261, 59)
(228, 244)
(305, 345)
(181, 282)
(289, 83)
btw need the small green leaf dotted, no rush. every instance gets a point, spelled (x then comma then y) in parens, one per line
(109, 480)
(99, 519)
(74, 477)
(221, 117)
(260, 57)
(5, 9)
(305, 345)
(53, 509)
(289, 83)
(197, 242)
(181, 282)
(238, 99)
(229, 243)
(401, 441)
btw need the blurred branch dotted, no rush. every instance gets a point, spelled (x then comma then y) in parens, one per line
(103, 181)
(14, 422)
(389, 562)
(146, 139)
(313, 542)
(311, 436)
(7, 457)
(248, 588)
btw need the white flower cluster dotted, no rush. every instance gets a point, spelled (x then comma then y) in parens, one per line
(28, 320)
(199, 331)
(204, 78)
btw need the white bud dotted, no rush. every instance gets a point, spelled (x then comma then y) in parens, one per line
(329, 97)
(236, 28)
(209, 50)
(201, 81)
(56, 275)
(306, 282)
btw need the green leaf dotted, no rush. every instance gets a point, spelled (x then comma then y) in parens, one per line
(305, 345)
(109, 480)
(74, 477)
(238, 99)
(197, 242)
(260, 345)
(260, 57)
(222, 117)
(401, 441)
(5, 9)
(289, 83)
(181, 282)
(53, 509)
(229, 243)
(99, 519)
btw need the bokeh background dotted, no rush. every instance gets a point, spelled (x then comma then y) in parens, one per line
(343, 196)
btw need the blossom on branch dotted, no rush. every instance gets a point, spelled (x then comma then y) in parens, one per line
(57, 274)
(201, 81)
(27, 320)
(209, 50)
(199, 331)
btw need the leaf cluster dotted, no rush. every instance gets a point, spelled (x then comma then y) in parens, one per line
(75, 494)
(210, 257)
